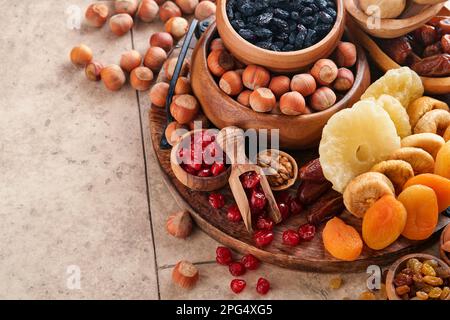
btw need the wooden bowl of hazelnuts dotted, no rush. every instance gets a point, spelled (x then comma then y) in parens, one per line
(219, 82)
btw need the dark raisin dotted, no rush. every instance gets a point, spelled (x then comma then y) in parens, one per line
(263, 33)
(247, 34)
(264, 19)
(295, 16)
(311, 38)
(325, 18)
(282, 14)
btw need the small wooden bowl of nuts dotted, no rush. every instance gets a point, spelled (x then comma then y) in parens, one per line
(445, 245)
(281, 169)
(418, 277)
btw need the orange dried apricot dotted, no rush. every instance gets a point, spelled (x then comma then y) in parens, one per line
(440, 185)
(341, 240)
(442, 165)
(384, 222)
(422, 207)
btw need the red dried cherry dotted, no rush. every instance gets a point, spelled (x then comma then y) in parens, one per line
(217, 168)
(307, 232)
(216, 200)
(223, 256)
(291, 238)
(263, 238)
(238, 285)
(262, 286)
(237, 269)
(250, 180)
(205, 173)
(233, 214)
(284, 210)
(295, 206)
(250, 262)
(264, 224)
(257, 201)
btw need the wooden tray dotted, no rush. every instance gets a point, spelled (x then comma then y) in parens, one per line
(307, 256)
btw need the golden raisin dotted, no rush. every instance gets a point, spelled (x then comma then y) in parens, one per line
(432, 263)
(414, 265)
(367, 295)
(435, 293)
(428, 270)
(422, 295)
(402, 290)
(336, 283)
(445, 293)
(433, 281)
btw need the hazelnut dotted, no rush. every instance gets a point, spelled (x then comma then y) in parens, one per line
(292, 104)
(177, 27)
(121, 23)
(158, 94)
(255, 77)
(174, 132)
(126, 6)
(231, 83)
(185, 274)
(97, 14)
(155, 58)
(113, 77)
(244, 98)
(204, 10)
(217, 44)
(81, 55)
(163, 40)
(169, 68)
(183, 86)
(324, 71)
(141, 78)
(148, 10)
(187, 6)
(304, 83)
(280, 85)
(262, 100)
(323, 99)
(93, 70)
(220, 62)
(169, 10)
(346, 54)
(184, 108)
(199, 122)
(130, 60)
(344, 80)
(179, 224)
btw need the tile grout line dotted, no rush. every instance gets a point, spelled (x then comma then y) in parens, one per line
(146, 181)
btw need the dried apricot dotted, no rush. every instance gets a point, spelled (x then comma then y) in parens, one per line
(440, 185)
(384, 222)
(421, 205)
(442, 165)
(341, 240)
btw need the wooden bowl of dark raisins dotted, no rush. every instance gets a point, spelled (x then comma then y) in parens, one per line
(283, 36)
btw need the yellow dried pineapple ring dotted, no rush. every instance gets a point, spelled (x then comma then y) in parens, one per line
(397, 113)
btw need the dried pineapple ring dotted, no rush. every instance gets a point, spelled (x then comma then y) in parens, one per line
(420, 160)
(435, 121)
(429, 142)
(403, 84)
(419, 107)
(397, 113)
(398, 171)
(354, 140)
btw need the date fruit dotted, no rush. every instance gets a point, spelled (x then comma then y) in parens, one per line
(310, 191)
(435, 66)
(312, 171)
(426, 35)
(398, 49)
(328, 206)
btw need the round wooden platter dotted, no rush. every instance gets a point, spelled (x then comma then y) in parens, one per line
(310, 256)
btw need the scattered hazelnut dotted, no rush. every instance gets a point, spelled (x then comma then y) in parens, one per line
(97, 14)
(93, 70)
(323, 99)
(148, 10)
(255, 77)
(344, 80)
(126, 6)
(177, 27)
(163, 40)
(200, 118)
(304, 83)
(179, 224)
(141, 78)
(346, 54)
(324, 71)
(169, 10)
(130, 60)
(244, 98)
(184, 108)
(217, 44)
(187, 6)
(183, 86)
(185, 274)
(113, 77)
(155, 58)
(158, 94)
(262, 100)
(174, 132)
(280, 85)
(292, 104)
(121, 23)
(169, 68)
(219, 62)
(204, 10)
(231, 83)
(81, 55)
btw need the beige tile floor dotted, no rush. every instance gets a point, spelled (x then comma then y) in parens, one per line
(79, 185)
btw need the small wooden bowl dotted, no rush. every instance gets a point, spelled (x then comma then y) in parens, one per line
(284, 62)
(445, 255)
(438, 85)
(290, 182)
(195, 183)
(295, 132)
(399, 265)
(412, 18)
